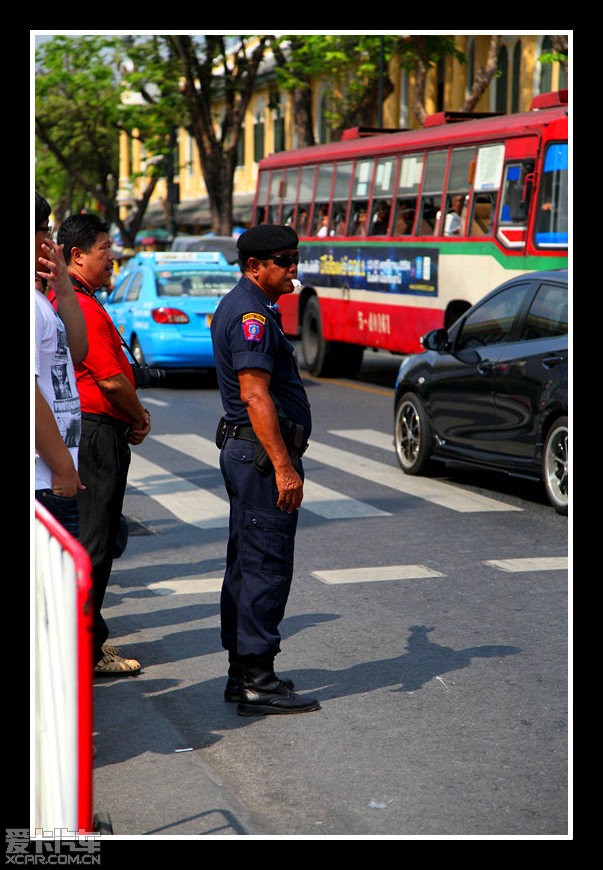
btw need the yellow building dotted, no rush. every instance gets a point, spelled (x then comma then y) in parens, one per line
(266, 129)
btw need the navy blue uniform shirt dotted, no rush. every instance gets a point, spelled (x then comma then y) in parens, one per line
(246, 334)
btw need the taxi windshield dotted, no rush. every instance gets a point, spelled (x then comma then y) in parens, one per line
(195, 283)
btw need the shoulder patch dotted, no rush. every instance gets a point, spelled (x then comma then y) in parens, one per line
(253, 326)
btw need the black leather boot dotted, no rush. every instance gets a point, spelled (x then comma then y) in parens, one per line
(234, 684)
(264, 694)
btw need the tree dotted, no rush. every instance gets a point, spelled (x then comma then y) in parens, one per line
(350, 69)
(79, 115)
(216, 75)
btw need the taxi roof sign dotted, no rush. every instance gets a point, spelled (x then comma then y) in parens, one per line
(188, 256)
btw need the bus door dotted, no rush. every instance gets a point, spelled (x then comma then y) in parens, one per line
(517, 189)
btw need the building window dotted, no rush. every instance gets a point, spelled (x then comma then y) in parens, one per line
(516, 76)
(546, 69)
(279, 131)
(258, 137)
(324, 126)
(441, 72)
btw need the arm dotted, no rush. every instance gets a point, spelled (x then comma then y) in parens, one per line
(122, 395)
(68, 307)
(262, 414)
(53, 450)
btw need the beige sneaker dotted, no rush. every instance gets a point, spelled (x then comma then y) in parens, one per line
(114, 665)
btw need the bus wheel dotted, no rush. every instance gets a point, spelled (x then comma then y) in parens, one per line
(412, 435)
(554, 466)
(316, 351)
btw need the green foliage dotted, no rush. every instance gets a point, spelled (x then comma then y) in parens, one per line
(349, 66)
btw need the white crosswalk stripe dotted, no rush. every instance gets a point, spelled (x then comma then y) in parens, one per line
(391, 476)
(207, 510)
(318, 499)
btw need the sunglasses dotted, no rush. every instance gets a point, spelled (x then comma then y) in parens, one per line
(285, 260)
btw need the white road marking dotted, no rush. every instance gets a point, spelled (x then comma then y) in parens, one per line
(373, 575)
(186, 586)
(187, 502)
(318, 499)
(544, 563)
(392, 477)
(367, 436)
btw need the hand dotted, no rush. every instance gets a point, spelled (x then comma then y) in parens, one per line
(67, 485)
(290, 490)
(137, 435)
(56, 273)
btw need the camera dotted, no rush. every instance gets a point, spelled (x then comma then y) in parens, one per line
(145, 376)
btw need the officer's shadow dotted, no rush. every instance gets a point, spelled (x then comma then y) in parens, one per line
(421, 662)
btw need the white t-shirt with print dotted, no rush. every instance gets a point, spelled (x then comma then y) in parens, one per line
(56, 381)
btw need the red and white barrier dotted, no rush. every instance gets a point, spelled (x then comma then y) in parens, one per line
(63, 717)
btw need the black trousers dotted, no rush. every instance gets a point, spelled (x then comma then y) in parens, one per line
(259, 556)
(104, 460)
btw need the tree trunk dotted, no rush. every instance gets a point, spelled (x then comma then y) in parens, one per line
(483, 75)
(302, 117)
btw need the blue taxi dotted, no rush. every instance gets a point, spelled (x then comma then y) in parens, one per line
(163, 303)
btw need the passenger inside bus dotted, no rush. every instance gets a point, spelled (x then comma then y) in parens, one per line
(359, 228)
(405, 218)
(452, 221)
(380, 219)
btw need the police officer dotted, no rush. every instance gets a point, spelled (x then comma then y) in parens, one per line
(263, 433)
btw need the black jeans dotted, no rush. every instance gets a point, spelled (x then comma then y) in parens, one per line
(63, 508)
(104, 460)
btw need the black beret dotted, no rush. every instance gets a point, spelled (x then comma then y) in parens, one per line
(267, 239)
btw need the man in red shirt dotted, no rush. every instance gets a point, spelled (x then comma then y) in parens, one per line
(112, 419)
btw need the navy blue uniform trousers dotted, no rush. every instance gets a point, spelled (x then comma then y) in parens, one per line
(259, 556)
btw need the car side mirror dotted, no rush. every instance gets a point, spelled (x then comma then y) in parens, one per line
(437, 340)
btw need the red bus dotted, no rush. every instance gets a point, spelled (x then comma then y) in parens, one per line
(402, 231)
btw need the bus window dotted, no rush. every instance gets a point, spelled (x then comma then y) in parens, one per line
(514, 206)
(385, 171)
(360, 195)
(486, 184)
(263, 180)
(341, 193)
(408, 188)
(304, 200)
(457, 190)
(289, 196)
(431, 196)
(276, 192)
(322, 197)
(550, 226)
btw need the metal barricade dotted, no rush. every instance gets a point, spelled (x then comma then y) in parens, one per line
(63, 720)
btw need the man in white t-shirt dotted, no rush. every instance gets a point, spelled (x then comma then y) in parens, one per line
(60, 340)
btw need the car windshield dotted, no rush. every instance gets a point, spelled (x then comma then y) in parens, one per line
(195, 283)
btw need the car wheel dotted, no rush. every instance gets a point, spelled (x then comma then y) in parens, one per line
(554, 465)
(412, 435)
(137, 352)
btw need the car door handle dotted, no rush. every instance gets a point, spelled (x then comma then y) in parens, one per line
(485, 366)
(552, 360)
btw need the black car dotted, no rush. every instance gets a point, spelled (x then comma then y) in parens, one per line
(492, 389)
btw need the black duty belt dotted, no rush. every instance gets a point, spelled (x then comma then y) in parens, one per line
(245, 433)
(122, 427)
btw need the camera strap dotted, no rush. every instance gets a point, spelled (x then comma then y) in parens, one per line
(81, 288)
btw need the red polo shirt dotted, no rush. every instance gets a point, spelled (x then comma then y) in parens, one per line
(106, 358)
